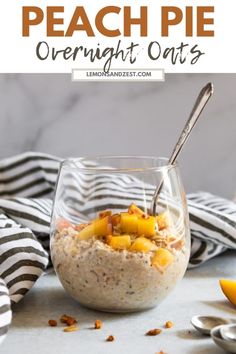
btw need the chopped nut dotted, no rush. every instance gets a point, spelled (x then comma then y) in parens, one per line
(80, 227)
(63, 318)
(110, 338)
(104, 213)
(115, 219)
(69, 320)
(98, 324)
(169, 324)
(52, 323)
(72, 328)
(177, 245)
(153, 332)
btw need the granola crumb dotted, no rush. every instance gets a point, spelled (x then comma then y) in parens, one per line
(68, 320)
(153, 332)
(71, 321)
(98, 324)
(169, 324)
(72, 328)
(52, 323)
(110, 338)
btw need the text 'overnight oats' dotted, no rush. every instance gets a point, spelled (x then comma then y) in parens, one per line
(119, 262)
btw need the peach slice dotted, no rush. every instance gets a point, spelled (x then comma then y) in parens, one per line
(129, 223)
(99, 227)
(146, 226)
(229, 289)
(142, 244)
(162, 258)
(119, 242)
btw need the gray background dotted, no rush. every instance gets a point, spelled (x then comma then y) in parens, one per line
(49, 113)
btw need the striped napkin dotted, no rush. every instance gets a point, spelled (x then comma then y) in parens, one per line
(27, 184)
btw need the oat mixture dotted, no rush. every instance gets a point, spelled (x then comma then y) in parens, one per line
(122, 262)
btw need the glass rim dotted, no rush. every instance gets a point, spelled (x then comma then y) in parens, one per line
(71, 163)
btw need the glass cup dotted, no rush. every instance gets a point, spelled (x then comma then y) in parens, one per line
(109, 253)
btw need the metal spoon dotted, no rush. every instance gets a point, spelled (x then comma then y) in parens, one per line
(228, 345)
(204, 324)
(198, 107)
(228, 332)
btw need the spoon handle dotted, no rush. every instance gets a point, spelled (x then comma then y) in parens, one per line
(198, 107)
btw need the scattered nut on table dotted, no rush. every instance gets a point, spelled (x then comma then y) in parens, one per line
(153, 332)
(169, 324)
(110, 338)
(98, 324)
(68, 320)
(52, 323)
(72, 328)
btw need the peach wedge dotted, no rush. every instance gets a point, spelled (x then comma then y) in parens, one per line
(229, 289)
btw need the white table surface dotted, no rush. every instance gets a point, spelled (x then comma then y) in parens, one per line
(198, 293)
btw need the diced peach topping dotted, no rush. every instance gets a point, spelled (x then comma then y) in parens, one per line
(133, 230)
(119, 242)
(99, 227)
(162, 221)
(133, 209)
(128, 223)
(142, 244)
(162, 258)
(146, 226)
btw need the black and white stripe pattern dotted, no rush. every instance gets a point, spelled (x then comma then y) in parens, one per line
(213, 226)
(26, 190)
(5, 310)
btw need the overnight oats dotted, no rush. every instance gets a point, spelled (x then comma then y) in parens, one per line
(108, 251)
(122, 262)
